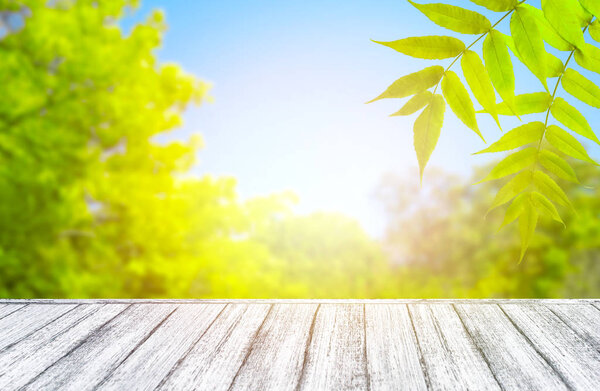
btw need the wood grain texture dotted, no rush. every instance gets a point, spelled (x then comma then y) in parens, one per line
(216, 358)
(584, 319)
(336, 358)
(150, 363)
(276, 357)
(577, 362)
(323, 344)
(27, 320)
(102, 351)
(298, 301)
(452, 360)
(514, 362)
(29, 357)
(8, 309)
(392, 352)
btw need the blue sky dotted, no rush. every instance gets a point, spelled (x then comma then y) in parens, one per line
(290, 79)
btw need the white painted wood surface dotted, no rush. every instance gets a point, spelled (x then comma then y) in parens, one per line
(299, 345)
(393, 356)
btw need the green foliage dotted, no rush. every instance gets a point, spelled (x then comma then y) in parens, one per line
(445, 248)
(560, 23)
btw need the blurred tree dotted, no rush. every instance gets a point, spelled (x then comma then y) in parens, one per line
(90, 204)
(443, 247)
(325, 255)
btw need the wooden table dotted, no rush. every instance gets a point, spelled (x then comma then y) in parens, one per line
(299, 344)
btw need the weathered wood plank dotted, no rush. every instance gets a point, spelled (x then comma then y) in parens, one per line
(213, 362)
(301, 301)
(336, 358)
(8, 309)
(583, 318)
(86, 366)
(276, 357)
(452, 360)
(514, 362)
(577, 362)
(21, 323)
(148, 365)
(26, 359)
(392, 351)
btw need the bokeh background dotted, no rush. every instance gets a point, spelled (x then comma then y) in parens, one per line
(223, 149)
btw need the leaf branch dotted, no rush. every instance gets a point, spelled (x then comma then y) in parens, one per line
(477, 40)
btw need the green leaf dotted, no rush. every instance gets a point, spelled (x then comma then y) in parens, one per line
(593, 6)
(496, 5)
(529, 43)
(562, 16)
(459, 101)
(427, 129)
(514, 210)
(588, 57)
(572, 119)
(517, 137)
(583, 15)
(527, 223)
(454, 18)
(432, 47)
(415, 103)
(557, 166)
(480, 83)
(545, 207)
(550, 189)
(595, 30)
(581, 88)
(413, 83)
(512, 163)
(567, 144)
(512, 188)
(548, 33)
(499, 66)
(554, 65)
(536, 102)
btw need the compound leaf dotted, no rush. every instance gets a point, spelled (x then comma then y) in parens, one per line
(513, 163)
(545, 207)
(454, 18)
(595, 30)
(427, 129)
(548, 33)
(557, 166)
(588, 57)
(512, 188)
(480, 83)
(563, 17)
(499, 66)
(550, 189)
(572, 119)
(459, 101)
(413, 83)
(535, 102)
(527, 223)
(415, 103)
(528, 42)
(592, 6)
(517, 137)
(431, 47)
(581, 88)
(567, 144)
(514, 210)
(496, 5)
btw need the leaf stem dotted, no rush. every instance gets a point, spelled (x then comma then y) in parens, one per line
(475, 41)
(539, 147)
(554, 93)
